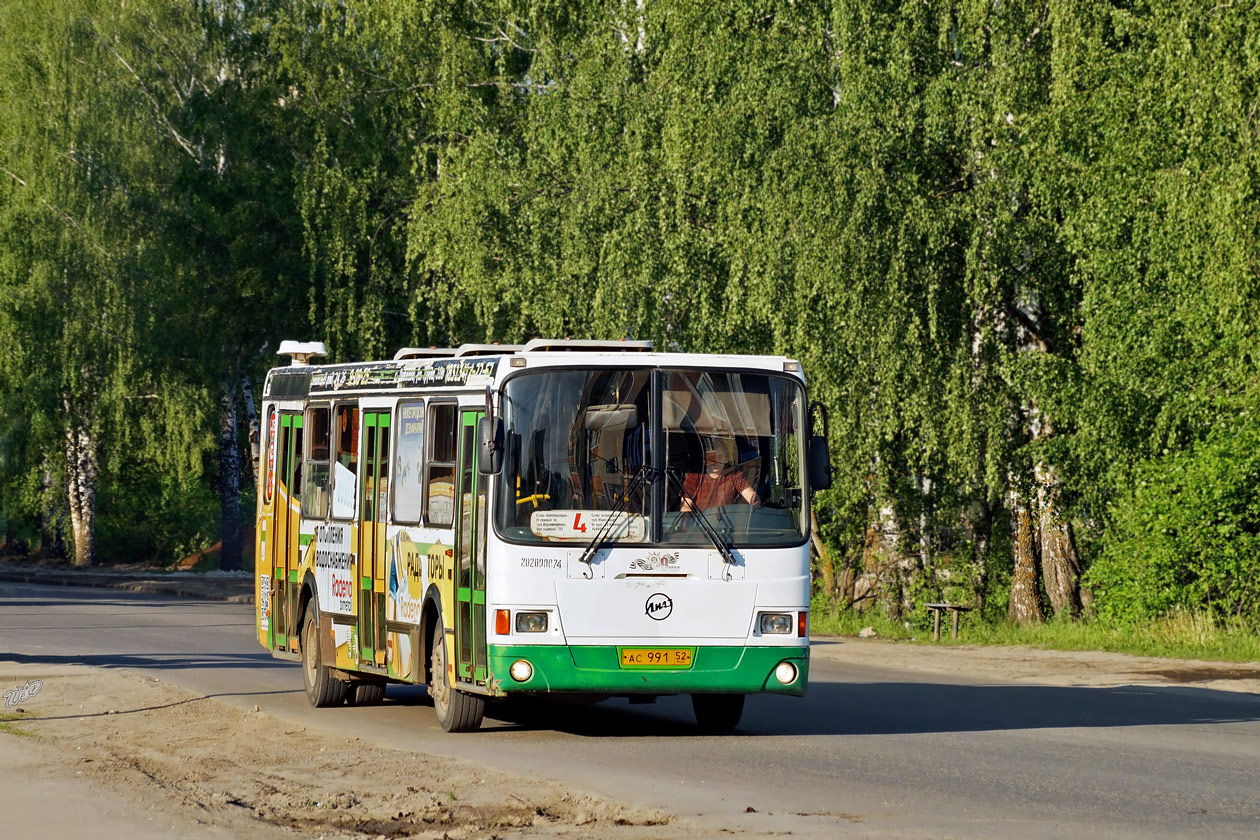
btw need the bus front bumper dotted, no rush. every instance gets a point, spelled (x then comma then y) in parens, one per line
(596, 669)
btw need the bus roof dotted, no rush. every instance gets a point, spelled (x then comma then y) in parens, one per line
(481, 365)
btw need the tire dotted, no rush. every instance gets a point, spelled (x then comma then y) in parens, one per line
(718, 713)
(322, 688)
(365, 693)
(456, 711)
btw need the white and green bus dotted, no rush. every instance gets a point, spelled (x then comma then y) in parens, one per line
(560, 517)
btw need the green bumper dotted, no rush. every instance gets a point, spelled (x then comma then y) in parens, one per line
(597, 670)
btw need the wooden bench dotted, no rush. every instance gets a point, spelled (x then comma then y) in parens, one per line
(953, 610)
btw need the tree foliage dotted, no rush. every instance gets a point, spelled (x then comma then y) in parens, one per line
(1014, 244)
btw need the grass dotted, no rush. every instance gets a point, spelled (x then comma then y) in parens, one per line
(6, 725)
(1181, 635)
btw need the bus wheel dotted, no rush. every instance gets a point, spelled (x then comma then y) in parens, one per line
(322, 688)
(365, 693)
(456, 711)
(718, 712)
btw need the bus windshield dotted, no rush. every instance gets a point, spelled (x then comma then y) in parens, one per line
(640, 456)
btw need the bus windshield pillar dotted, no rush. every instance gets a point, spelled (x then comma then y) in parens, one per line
(656, 448)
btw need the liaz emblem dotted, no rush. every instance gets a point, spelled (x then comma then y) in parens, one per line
(659, 606)
(655, 560)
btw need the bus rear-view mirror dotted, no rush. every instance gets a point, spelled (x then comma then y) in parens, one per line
(819, 464)
(818, 458)
(490, 443)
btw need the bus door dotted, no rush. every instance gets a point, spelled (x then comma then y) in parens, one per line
(470, 548)
(284, 542)
(373, 503)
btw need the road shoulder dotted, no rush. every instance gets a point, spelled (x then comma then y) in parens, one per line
(1021, 664)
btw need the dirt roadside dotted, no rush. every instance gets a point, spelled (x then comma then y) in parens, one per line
(116, 752)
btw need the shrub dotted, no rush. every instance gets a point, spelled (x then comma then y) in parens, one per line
(1187, 535)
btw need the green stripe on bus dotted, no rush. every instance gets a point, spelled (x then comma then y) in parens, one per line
(305, 539)
(367, 584)
(597, 669)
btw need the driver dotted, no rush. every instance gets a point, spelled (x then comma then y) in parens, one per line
(720, 483)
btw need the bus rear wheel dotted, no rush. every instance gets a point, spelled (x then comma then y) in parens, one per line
(718, 712)
(456, 711)
(322, 688)
(365, 693)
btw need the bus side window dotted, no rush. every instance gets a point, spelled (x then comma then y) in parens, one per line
(408, 458)
(291, 461)
(315, 491)
(375, 465)
(346, 463)
(440, 469)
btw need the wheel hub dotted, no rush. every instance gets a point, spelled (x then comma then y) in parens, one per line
(309, 646)
(438, 688)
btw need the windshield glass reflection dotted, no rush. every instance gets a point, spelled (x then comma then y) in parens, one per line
(582, 449)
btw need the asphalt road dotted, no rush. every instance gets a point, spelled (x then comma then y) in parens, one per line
(868, 753)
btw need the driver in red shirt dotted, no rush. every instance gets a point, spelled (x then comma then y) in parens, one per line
(720, 483)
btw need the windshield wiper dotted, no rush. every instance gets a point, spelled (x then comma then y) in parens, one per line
(605, 530)
(705, 525)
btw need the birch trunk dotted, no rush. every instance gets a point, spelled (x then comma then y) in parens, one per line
(980, 574)
(1060, 564)
(1025, 604)
(894, 569)
(925, 534)
(825, 569)
(52, 519)
(81, 487)
(978, 520)
(252, 428)
(229, 479)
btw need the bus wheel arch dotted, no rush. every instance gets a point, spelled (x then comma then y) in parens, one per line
(430, 621)
(305, 597)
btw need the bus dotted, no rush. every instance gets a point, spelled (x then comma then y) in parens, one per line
(583, 518)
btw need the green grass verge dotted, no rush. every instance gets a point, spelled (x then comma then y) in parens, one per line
(1177, 636)
(6, 725)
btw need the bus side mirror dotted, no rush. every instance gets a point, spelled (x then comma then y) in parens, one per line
(819, 464)
(490, 444)
(818, 458)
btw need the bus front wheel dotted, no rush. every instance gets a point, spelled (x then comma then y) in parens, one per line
(718, 712)
(322, 688)
(456, 711)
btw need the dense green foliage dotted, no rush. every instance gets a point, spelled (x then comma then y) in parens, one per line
(1015, 246)
(1188, 534)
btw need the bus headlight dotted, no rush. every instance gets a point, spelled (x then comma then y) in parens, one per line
(784, 672)
(521, 670)
(779, 624)
(531, 622)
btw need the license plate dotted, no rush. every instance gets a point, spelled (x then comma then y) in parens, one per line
(671, 658)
